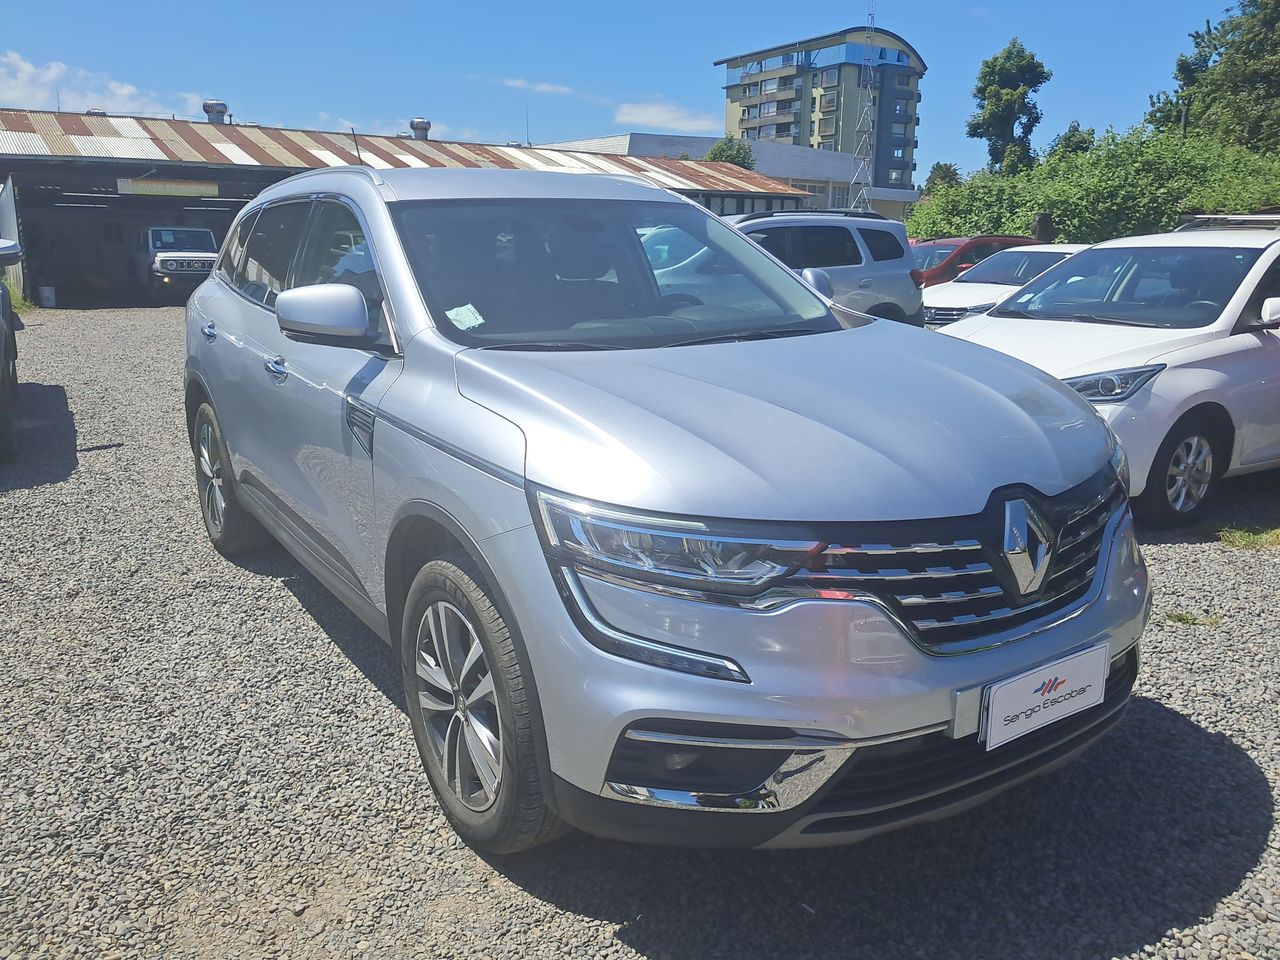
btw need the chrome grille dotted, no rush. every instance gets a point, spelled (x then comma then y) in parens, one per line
(959, 587)
(941, 315)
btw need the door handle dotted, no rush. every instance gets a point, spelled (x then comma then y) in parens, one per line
(864, 282)
(276, 367)
(209, 330)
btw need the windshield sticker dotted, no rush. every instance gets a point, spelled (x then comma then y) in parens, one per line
(465, 317)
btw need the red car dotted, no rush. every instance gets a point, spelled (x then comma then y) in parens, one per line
(943, 259)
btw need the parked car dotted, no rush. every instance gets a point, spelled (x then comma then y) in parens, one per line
(984, 285)
(658, 565)
(943, 259)
(1174, 340)
(169, 262)
(867, 257)
(10, 254)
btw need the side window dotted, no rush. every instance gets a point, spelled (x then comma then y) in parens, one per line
(882, 244)
(231, 260)
(337, 251)
(270, 250)
(976, 253)
(775, 241)
(824, 247)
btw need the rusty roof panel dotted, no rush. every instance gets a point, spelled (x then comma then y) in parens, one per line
(42, 133)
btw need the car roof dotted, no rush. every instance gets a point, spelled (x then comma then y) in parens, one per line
(449, 183)
(1200, 238)
(979, 236)
(1045, 248)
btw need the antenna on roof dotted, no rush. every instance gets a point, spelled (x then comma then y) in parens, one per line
(356, 141)
(527, 141)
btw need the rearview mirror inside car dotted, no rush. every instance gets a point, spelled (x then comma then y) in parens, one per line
(819, 280)
(323, 310)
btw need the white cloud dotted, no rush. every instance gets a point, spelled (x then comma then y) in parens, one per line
(23, 84)
(521, 84)
(662, 115)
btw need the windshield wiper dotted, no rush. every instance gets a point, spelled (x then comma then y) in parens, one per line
(1092, 318)
(1010, 312)
(551, 345)
(746, 335)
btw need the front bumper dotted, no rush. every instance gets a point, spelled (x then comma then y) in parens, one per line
(840, 675)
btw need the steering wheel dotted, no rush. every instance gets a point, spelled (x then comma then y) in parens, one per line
(672, 301)
(1207, 305)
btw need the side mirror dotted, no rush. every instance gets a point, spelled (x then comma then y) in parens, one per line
(323, 310)
(819, 280)
(10, 253)
(1271, 312)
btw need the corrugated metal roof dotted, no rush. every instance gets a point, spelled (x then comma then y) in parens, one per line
(45, 134)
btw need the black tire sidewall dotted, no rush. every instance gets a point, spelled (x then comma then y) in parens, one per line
(448, 579)
(1153, 506)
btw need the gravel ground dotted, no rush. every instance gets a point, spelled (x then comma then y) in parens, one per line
(201, 759)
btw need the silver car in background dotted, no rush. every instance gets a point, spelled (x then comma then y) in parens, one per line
(733, 566)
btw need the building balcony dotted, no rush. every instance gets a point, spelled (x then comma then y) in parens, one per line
(789, 93)
(740, 76)
(782, 116)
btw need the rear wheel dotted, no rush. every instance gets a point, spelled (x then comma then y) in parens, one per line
(471, 712)
(232, 530)
(8, 408)
(1184, 474)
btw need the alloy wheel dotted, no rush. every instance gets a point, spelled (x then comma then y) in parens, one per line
(458, 704)
(1190, 474)
(211, 495)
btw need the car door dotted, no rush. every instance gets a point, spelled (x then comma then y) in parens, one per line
(829, 247)
(319, 469)
(889, 268)
(1253, 366)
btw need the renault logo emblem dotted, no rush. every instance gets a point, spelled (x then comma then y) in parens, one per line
(1028, 545)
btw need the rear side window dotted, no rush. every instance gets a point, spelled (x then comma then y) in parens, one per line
(775, 241)
(881, 244)
(270, 250)
(232, 260)
(800, 247)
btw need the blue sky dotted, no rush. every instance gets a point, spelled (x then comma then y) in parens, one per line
(579, 69)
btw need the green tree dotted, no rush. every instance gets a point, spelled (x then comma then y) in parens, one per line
(942, 175)
(1131, 183)
(1229, 87)
(1074, 139)
(731, 150)
(1006, 114)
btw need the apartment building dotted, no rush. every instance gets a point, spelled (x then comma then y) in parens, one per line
(855, 92)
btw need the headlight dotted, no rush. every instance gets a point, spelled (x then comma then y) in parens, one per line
(687, 554)
(1113, 385)
(1119, 460)
(171, 264)
(980, 308)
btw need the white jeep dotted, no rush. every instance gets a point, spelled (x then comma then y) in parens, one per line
(170, 262)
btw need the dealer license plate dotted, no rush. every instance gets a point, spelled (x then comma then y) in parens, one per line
(1025, 703)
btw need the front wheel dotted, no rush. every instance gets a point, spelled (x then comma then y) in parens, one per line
(1184, 475)
(230, 527)
(471, 710)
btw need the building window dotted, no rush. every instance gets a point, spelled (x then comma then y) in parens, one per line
(895, 176)
(899, 129)
(826, 144)
(769, 86)
(783, 130)
(899, 153)
(827, 126)
(904, 80)
(828, 102)
(751, 90)
(829, 77)
(899, 108)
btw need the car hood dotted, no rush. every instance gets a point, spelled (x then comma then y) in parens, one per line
(1067, 349)
(879, 422)
(953, 294)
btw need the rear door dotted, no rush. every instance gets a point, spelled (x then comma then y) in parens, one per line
(889, 266)
(1254, 370)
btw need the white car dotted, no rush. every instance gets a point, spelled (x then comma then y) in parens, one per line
(985, 284)
(1174, 338)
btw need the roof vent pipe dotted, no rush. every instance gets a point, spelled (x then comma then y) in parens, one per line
(95, 112)
(216, 111)
(421, 128)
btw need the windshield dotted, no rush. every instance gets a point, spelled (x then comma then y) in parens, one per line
(1176, 287)
(581, 274)
(1011, 267)
(931, 254)
(195, 241)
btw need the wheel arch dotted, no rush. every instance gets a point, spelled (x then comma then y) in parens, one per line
(424, 531)
(1224, 428)
(195, 394)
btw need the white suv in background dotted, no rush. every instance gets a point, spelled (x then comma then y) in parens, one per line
(867, 257)
(1175, 339)
(985, 284)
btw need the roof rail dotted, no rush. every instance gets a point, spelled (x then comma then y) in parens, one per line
(764, 214)
(368, 173)
(1210, 221)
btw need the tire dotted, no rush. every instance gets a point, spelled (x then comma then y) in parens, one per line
(1184, 474)
(232, 530)
(488, 784)
(8, 411)
(11, 365)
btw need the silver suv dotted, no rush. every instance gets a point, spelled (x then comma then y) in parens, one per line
(662, 566)
(867, 257)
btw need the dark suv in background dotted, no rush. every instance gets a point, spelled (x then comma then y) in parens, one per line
(945, 258)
